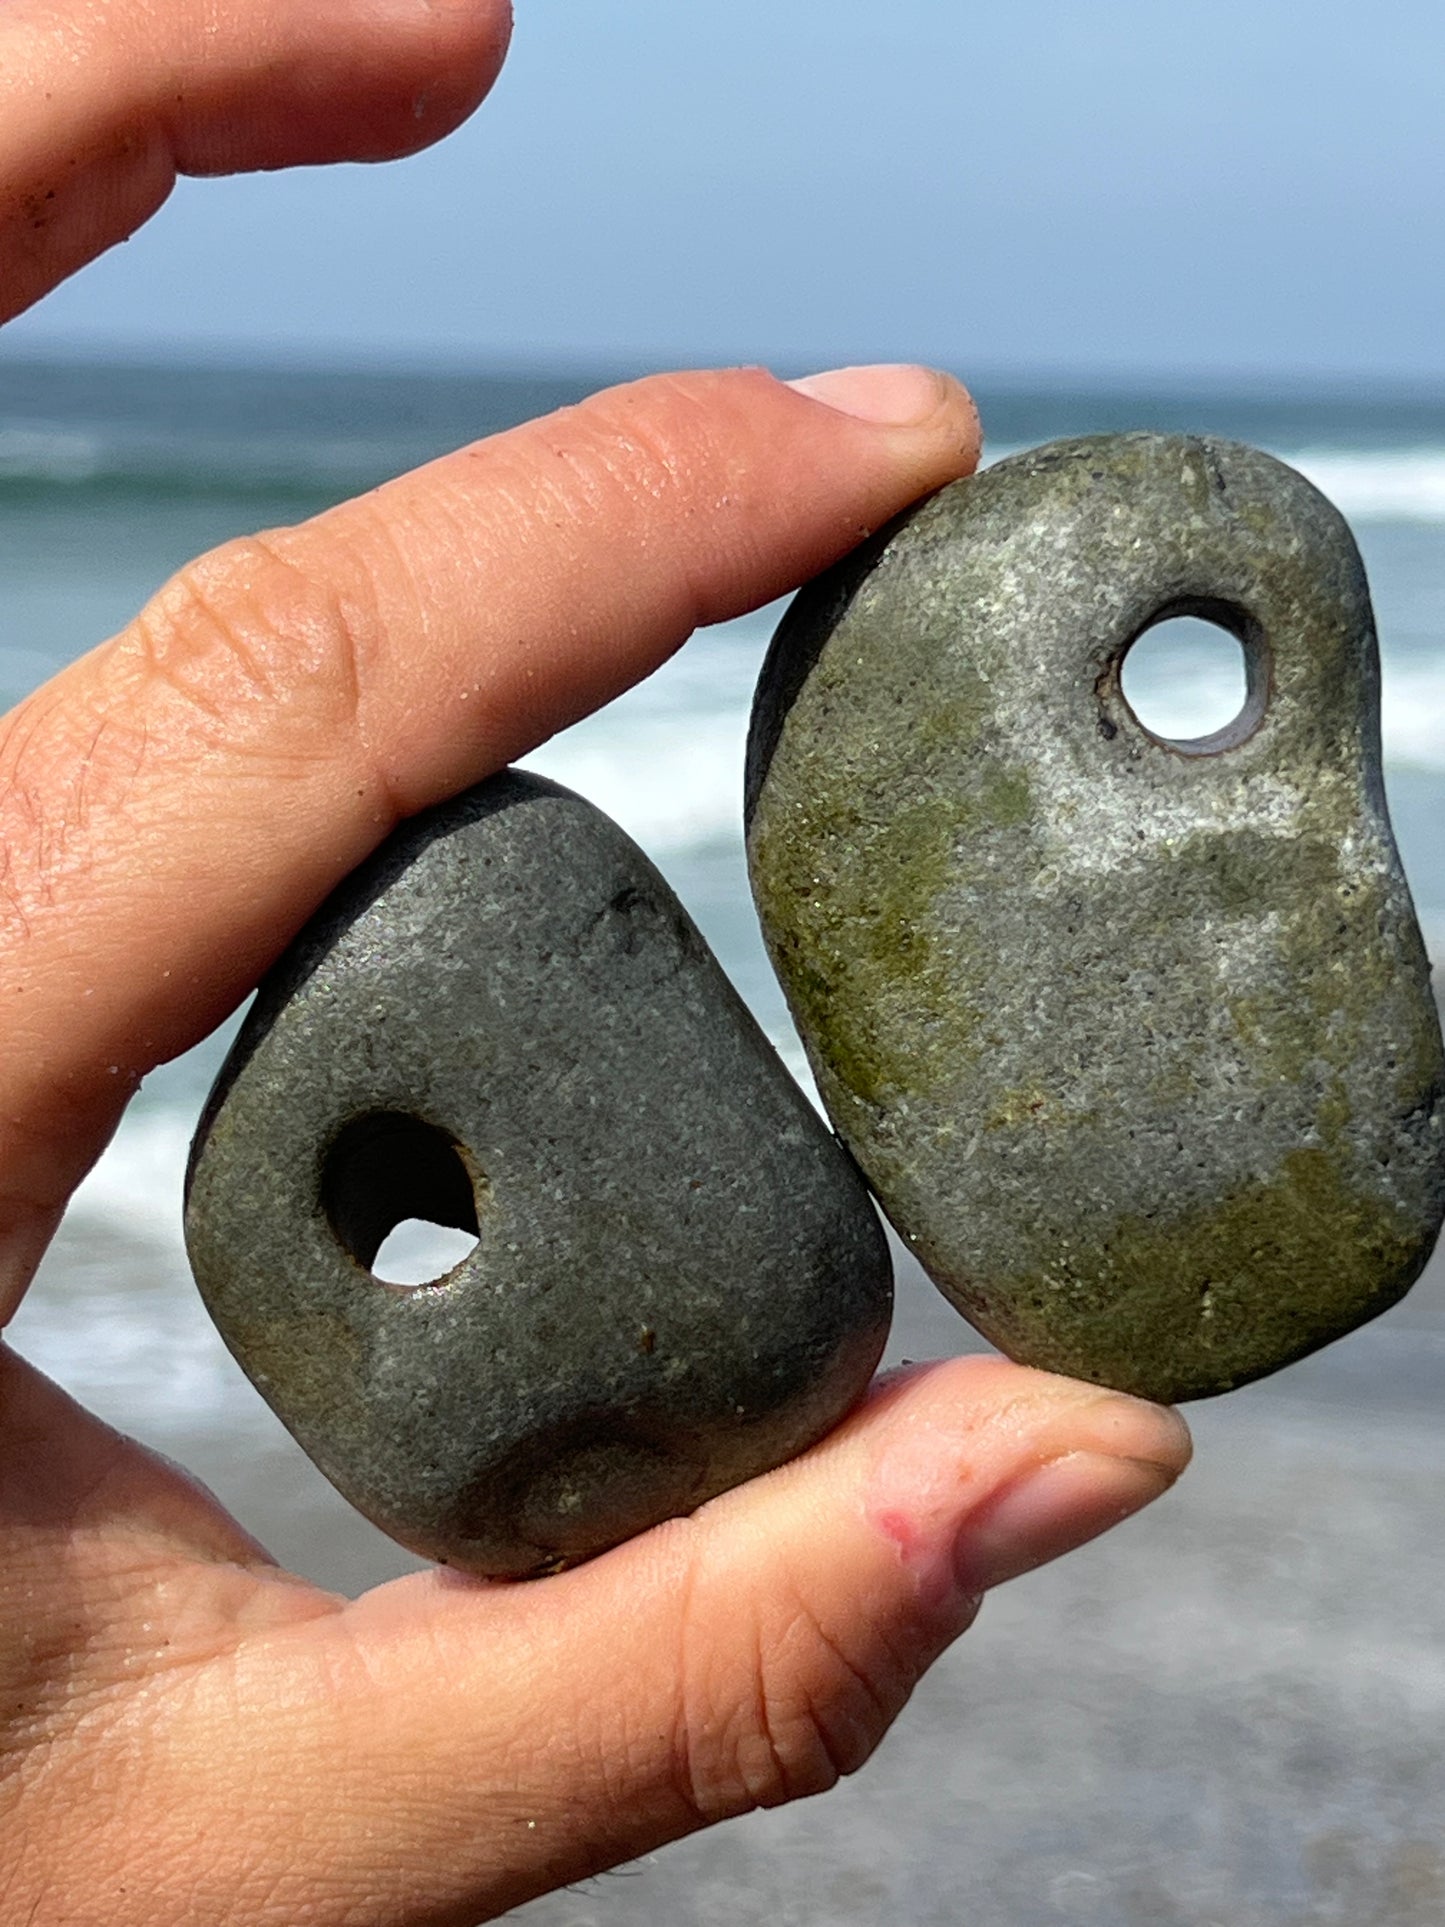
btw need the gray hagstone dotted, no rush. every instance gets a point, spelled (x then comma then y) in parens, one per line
(1132, 1038)
(506, 1022)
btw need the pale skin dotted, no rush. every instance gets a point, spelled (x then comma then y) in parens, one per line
(187, 1734)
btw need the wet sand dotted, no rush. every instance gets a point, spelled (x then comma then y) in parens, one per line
(1229, 1713)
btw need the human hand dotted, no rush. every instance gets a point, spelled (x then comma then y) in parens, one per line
(188, 1735)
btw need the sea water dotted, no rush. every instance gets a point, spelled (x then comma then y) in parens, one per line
(1228, 1712)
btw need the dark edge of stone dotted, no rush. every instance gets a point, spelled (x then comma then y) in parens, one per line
(798, 641)
(351, 899)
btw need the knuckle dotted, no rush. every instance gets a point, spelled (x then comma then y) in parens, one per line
(781, 1717)
(244, 635)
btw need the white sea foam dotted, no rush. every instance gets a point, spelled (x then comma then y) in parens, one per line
(671, 784)
(1388, 485)
(113, 1314)
(1412, 715)
(1366, 485)
(143, 1166)
(666, 760)
(48, 454)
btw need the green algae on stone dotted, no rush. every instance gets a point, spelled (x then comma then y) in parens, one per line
(1132, 1038)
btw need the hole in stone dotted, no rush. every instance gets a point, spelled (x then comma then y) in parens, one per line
(417, 1252)
(400, 1197)
(1188, 682)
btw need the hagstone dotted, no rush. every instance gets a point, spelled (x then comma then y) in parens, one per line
(505, 1022)
(1132, 1038)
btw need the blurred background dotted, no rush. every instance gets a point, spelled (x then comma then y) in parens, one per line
(1225, 218)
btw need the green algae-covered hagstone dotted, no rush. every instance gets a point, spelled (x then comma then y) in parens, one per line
(505, 1022)
(1132, 1038)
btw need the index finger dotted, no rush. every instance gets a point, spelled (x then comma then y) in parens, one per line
(175, 804)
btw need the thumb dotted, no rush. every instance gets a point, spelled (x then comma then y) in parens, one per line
(102, 106)
(500, 1741)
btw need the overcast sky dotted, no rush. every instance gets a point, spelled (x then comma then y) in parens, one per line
(1096, 186)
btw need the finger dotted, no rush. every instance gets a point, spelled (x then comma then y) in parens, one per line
(102, 106)
(476, 1746)
(73, 1490)
(113, 1564)
(174, 805)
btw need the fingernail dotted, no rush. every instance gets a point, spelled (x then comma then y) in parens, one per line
(895, 393)
(1051, 1509)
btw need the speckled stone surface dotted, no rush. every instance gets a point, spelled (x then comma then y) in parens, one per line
(1133, 1039)
(506, 1022)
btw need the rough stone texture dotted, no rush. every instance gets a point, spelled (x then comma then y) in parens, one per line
(506, 1022)
(1133, 1039)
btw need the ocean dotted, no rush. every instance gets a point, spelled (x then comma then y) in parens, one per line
(1228, 1712)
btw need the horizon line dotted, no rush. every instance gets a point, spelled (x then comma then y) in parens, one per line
(417, 363)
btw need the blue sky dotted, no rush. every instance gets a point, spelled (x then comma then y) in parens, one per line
(1119, 188)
